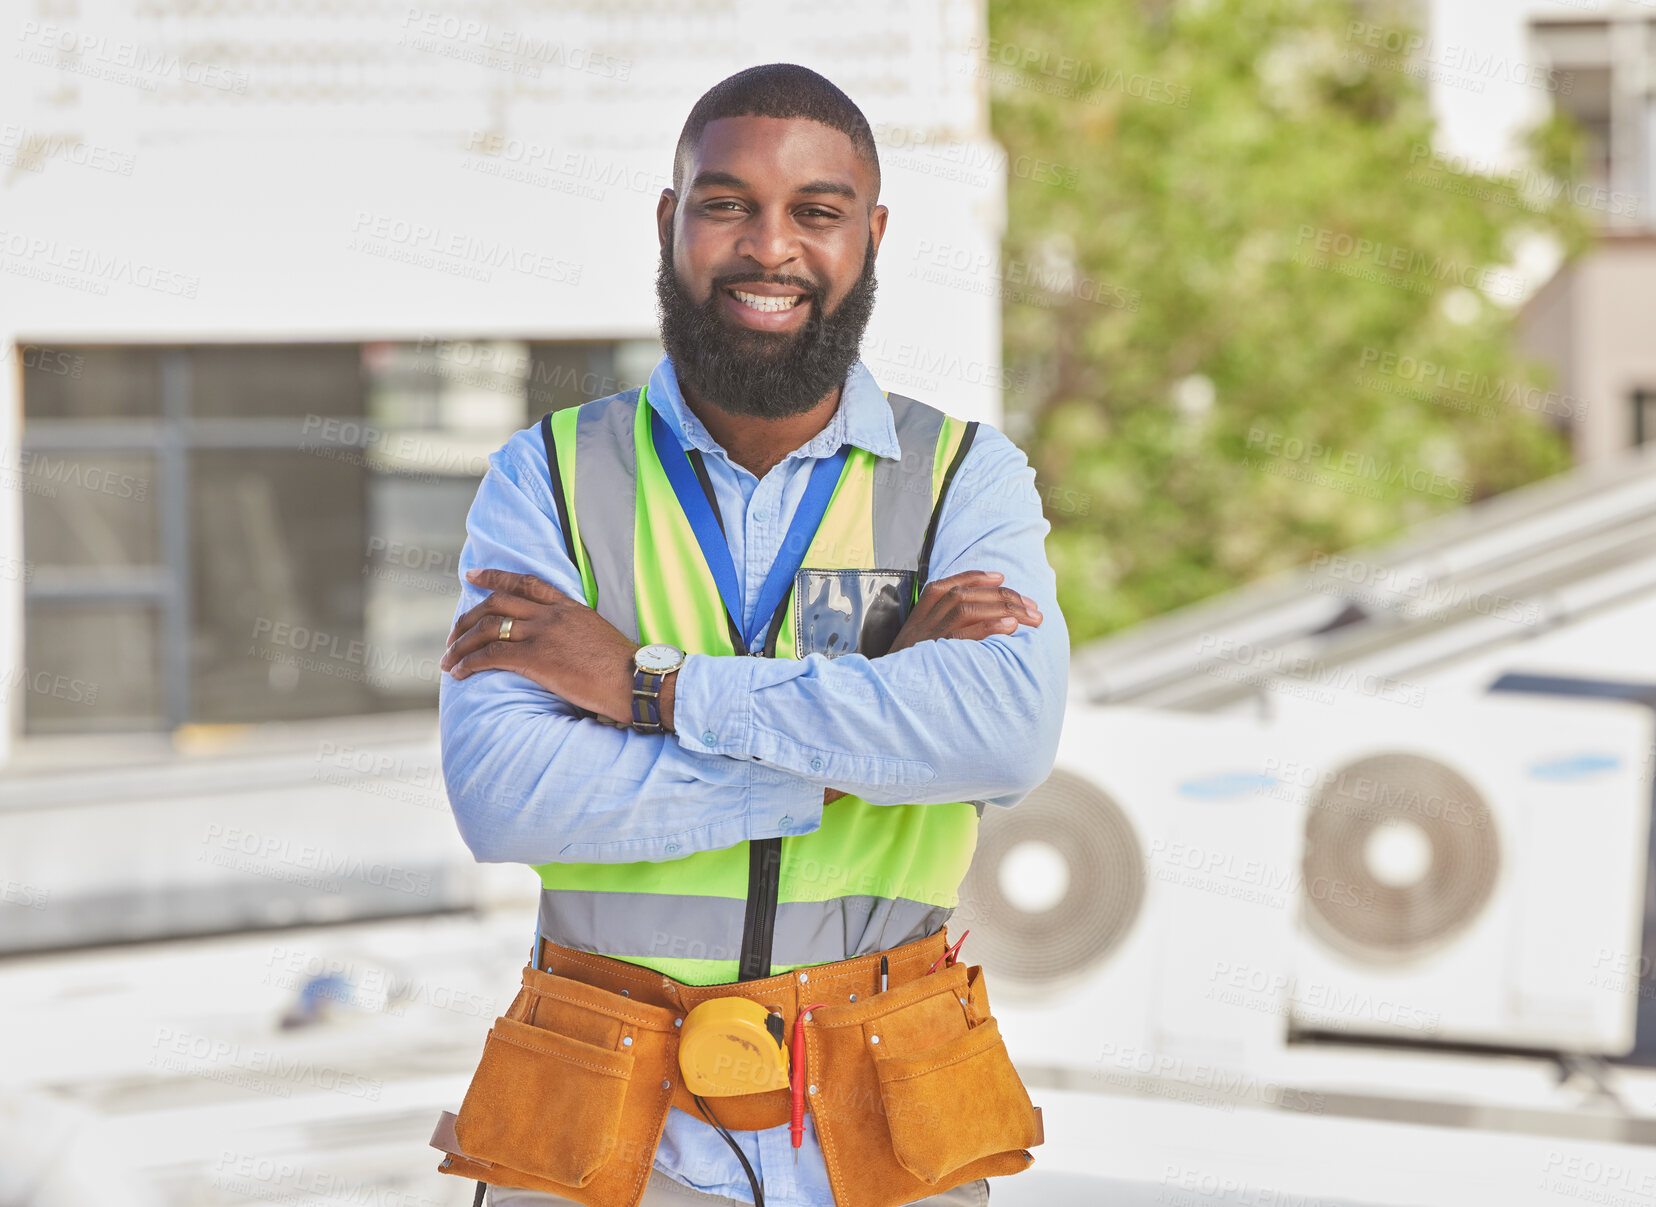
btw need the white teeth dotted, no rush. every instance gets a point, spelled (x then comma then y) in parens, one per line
(759, 302)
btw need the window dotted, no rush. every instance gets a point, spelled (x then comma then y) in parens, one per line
(1599, 67)
(1644, 416)
(243, 533)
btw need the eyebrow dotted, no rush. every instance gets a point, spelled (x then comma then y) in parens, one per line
(834, 188)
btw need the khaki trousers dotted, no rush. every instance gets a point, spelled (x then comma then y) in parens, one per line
(664, 1191)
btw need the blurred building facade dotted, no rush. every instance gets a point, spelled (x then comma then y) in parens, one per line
(278, 278)
(1495, 69)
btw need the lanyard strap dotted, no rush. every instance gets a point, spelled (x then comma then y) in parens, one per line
(825, 475)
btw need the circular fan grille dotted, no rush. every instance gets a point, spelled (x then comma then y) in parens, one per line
(1102, 899)
(1357, 908)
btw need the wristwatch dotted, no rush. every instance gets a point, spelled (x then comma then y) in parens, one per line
(651, 666)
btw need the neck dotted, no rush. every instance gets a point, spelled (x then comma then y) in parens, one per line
(758, 444)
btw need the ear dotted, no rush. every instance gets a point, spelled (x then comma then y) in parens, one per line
(666, 207)
(877, 224)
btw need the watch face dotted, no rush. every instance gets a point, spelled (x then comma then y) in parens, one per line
(658, 658)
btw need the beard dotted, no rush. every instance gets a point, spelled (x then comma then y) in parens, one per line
(765, 374)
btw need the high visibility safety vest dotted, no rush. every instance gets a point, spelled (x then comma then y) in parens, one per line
(872, 877)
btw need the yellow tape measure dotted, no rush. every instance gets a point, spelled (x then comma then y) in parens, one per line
(730, 1045)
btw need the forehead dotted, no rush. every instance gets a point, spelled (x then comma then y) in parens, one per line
(778, 153)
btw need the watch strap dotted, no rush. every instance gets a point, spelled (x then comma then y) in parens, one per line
(646, 701)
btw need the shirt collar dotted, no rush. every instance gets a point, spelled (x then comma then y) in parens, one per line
(863, 417)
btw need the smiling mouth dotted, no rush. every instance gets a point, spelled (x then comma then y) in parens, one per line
(766, 304)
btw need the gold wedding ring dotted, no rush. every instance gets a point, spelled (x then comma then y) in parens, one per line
(505, 633)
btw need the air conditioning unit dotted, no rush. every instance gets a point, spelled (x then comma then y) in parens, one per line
(1473, 868)
(1132, 914)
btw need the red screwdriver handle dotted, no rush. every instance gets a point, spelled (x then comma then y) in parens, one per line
(797, 1075)
(950, 955)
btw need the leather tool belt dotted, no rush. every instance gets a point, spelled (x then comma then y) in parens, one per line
(912, 1089)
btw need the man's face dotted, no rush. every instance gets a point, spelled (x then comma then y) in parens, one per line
(766, 281)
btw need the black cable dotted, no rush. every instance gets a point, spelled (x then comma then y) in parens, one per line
(477, 1199)
(758, 1187)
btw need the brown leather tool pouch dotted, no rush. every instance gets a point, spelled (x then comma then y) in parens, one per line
(571, 1094)
(914, 1092)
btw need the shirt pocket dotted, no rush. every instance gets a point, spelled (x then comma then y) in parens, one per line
(838, 612)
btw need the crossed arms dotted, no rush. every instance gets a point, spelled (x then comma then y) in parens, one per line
(966, 706)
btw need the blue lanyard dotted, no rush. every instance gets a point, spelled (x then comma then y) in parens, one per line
(825, 475)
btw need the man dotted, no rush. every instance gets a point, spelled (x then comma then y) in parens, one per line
(640, 782)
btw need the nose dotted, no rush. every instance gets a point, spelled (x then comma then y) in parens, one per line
(768, 240)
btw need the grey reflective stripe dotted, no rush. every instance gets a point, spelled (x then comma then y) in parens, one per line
(815, 932)
(667, 926)
(659, 925)
(903, 489)
(606, 502)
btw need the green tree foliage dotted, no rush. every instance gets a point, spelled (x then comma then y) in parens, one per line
(1230, 255)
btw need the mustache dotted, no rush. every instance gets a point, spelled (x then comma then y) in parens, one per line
(730, 280)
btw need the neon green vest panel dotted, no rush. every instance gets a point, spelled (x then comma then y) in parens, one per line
(871, 877)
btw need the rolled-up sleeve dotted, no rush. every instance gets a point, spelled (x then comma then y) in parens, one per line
(942, 720)
(532, 780)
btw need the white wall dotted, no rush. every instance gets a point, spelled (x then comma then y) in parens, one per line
(265, 211)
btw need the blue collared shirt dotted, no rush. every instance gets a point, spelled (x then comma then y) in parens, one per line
(758, 739)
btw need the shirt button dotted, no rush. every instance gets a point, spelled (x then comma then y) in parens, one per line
(671, 847)
(784, 821)
(759, 517)
(710, 738)
(816, 764)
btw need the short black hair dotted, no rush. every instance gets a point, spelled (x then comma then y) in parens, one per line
(778, 90)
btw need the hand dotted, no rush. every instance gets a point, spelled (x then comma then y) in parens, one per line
(555, 641)
(971, 605)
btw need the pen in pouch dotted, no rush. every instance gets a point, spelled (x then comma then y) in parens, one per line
(882, 974)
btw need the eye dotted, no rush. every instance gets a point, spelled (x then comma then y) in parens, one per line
(814, 212)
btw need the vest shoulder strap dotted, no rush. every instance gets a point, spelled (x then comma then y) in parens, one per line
(903, 489)
(559, 498)
(592, 457)
(961, 450)
(920, 432)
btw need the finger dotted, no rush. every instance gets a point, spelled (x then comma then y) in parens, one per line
(1019, 604)
(938, 590)
(526, 585)
(981, 602)
(990, 615)
(970, 578)
(469, 642)
(998, 627)
(488, 625)
(492, 602)
(491, 656)
(1003, 597)
(485, 632)
(966, 578)
(498, 603)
